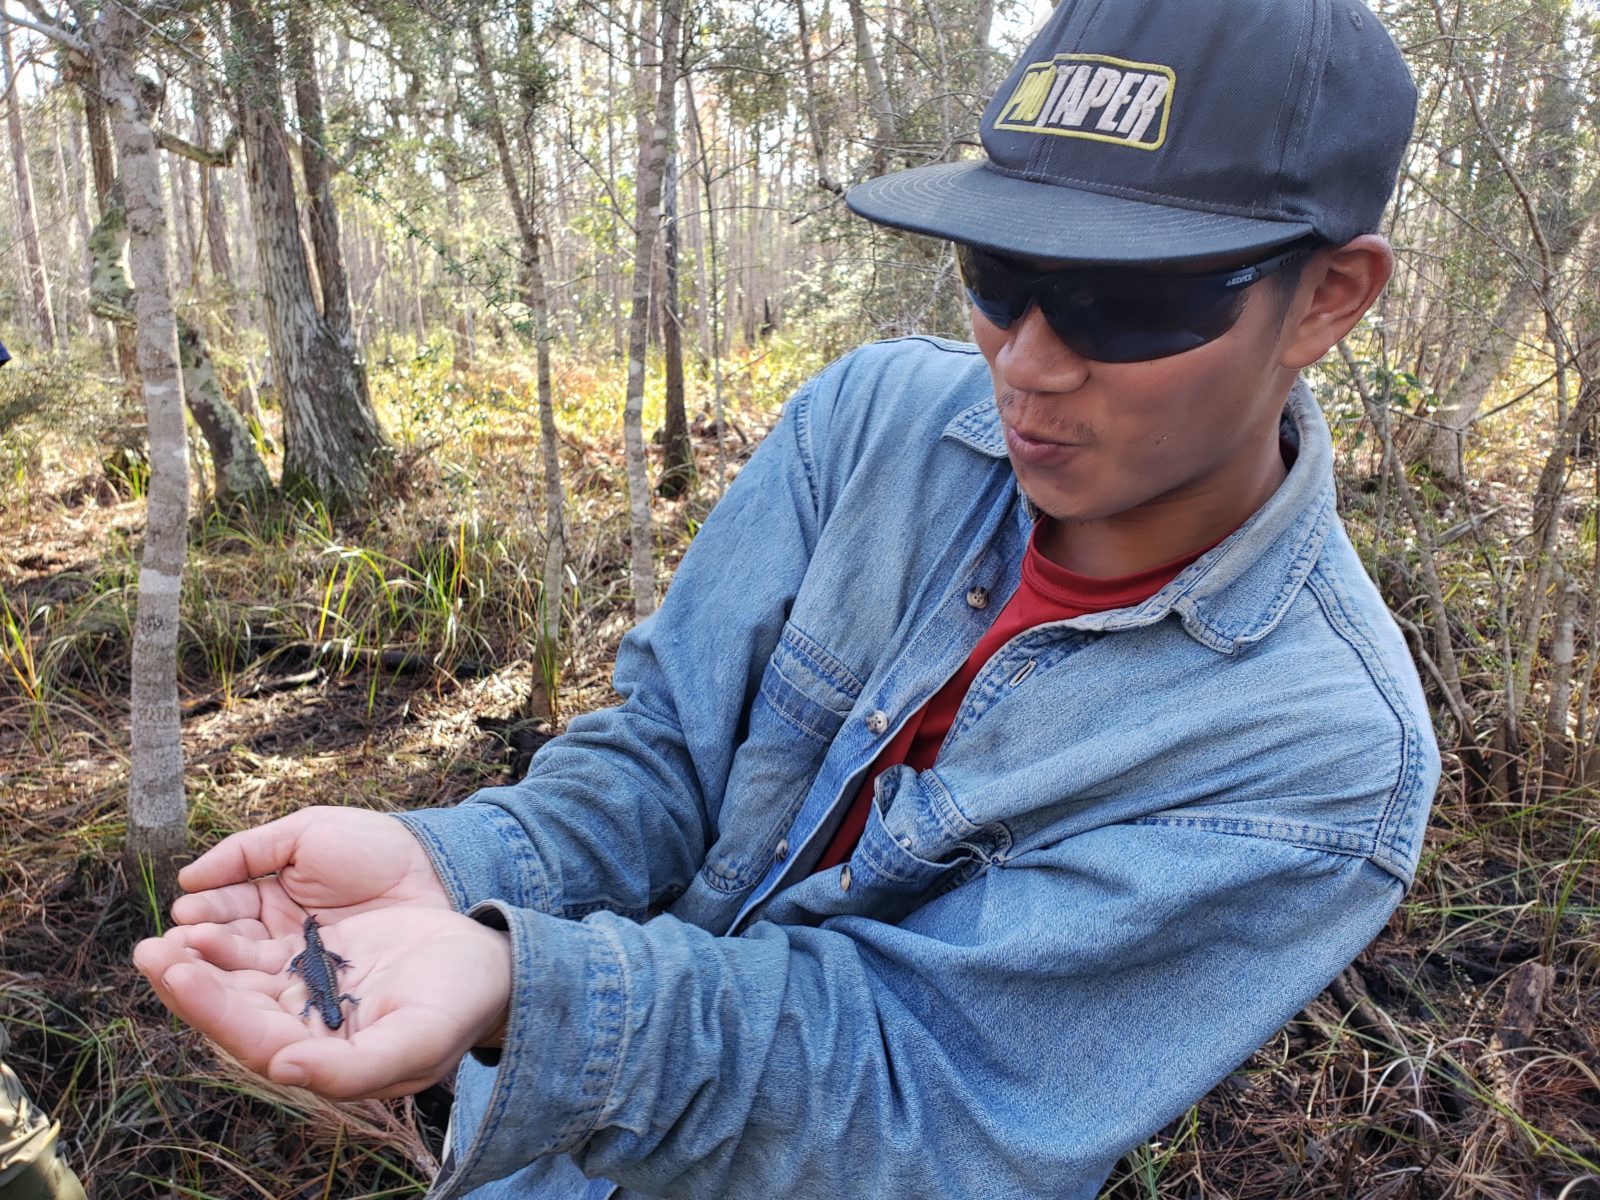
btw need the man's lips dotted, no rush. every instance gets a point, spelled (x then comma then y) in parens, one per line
(1036, 450)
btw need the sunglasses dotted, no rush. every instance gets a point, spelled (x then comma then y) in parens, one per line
(1116, 315)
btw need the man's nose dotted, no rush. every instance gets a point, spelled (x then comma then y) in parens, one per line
(1034, 359)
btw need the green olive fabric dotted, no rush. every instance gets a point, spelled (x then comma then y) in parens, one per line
(31, 1167)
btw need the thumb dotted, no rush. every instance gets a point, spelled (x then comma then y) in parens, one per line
(247, 854)
(405, 1046)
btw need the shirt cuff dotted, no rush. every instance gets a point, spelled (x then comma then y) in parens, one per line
(480, 852)
(558, 1061)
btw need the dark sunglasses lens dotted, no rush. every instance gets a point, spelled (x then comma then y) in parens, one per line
(995, 290)
(1128, 317)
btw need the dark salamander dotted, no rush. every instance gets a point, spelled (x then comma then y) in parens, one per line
(319, 967)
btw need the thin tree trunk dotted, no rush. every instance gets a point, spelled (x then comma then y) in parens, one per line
(330, 432)
(187, 238)
(71, 199)
(157, 814)
(647, 216)
(80, 204)
(982, 28)
(33, 254)
(538, 301)
(714, 296)
(808, 73)
(613, 170)
(460, 297)
(103, 167)
(1562, 651)
(677, 459)
(883, 114)
(242, 478)
(216, 217)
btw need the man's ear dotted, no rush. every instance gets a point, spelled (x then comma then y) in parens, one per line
(1337, 286)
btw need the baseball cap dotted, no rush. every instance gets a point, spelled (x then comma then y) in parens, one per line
(1163, 130)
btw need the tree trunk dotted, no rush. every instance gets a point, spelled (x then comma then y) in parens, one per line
(460, 296)
(702, 155)
(157, 815)
(647, 216)
(808, 73)
(216, 217)
(180, 186)
(677, 459)
(537, 299)
(320, 212)
(103, 167)
(33, 254)
(877, 90)
(1557, 742)
(330, 432)
(242, 478)
(79, 186)
(72, 316)
(982, 28)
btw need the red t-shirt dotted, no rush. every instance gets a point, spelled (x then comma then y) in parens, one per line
(1048, 592)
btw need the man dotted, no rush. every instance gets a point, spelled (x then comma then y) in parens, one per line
(1020, 742)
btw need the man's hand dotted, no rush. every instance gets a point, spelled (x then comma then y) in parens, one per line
(429, 985)
(332, 863)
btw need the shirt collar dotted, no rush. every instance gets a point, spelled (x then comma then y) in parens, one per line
(1236, 593)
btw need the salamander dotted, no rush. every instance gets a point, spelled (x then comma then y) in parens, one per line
(319, 967)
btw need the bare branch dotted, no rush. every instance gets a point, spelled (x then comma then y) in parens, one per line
(49, 29)
(200, 154)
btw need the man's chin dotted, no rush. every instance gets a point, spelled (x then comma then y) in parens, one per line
(1066, 510)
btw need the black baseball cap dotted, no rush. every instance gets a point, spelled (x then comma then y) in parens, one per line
(1163, 130)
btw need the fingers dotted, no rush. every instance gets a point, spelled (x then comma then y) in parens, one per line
(234, 902)
(239, 947)
(239, 1010)
(232, 1010)
(154, 955)
(248, 854)
(402, 1052)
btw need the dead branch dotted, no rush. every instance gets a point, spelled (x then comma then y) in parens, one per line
(200, 154)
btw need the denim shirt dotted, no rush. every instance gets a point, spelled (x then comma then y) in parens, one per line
(1152, 835)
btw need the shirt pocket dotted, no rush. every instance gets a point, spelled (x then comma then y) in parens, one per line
(894, 878)
(807, 686)
(806, 692)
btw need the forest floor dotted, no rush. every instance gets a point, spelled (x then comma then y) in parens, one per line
(1456, 1058)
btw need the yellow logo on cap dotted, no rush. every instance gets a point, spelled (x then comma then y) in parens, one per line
(1095, 97)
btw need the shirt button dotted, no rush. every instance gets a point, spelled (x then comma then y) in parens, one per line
(978, 597)
(844, 878)
(877, 720)
(783, 850)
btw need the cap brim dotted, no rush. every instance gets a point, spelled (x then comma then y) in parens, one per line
(968, 202)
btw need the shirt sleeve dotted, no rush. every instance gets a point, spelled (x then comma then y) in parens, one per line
(619, 811)
(1014, 1036)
